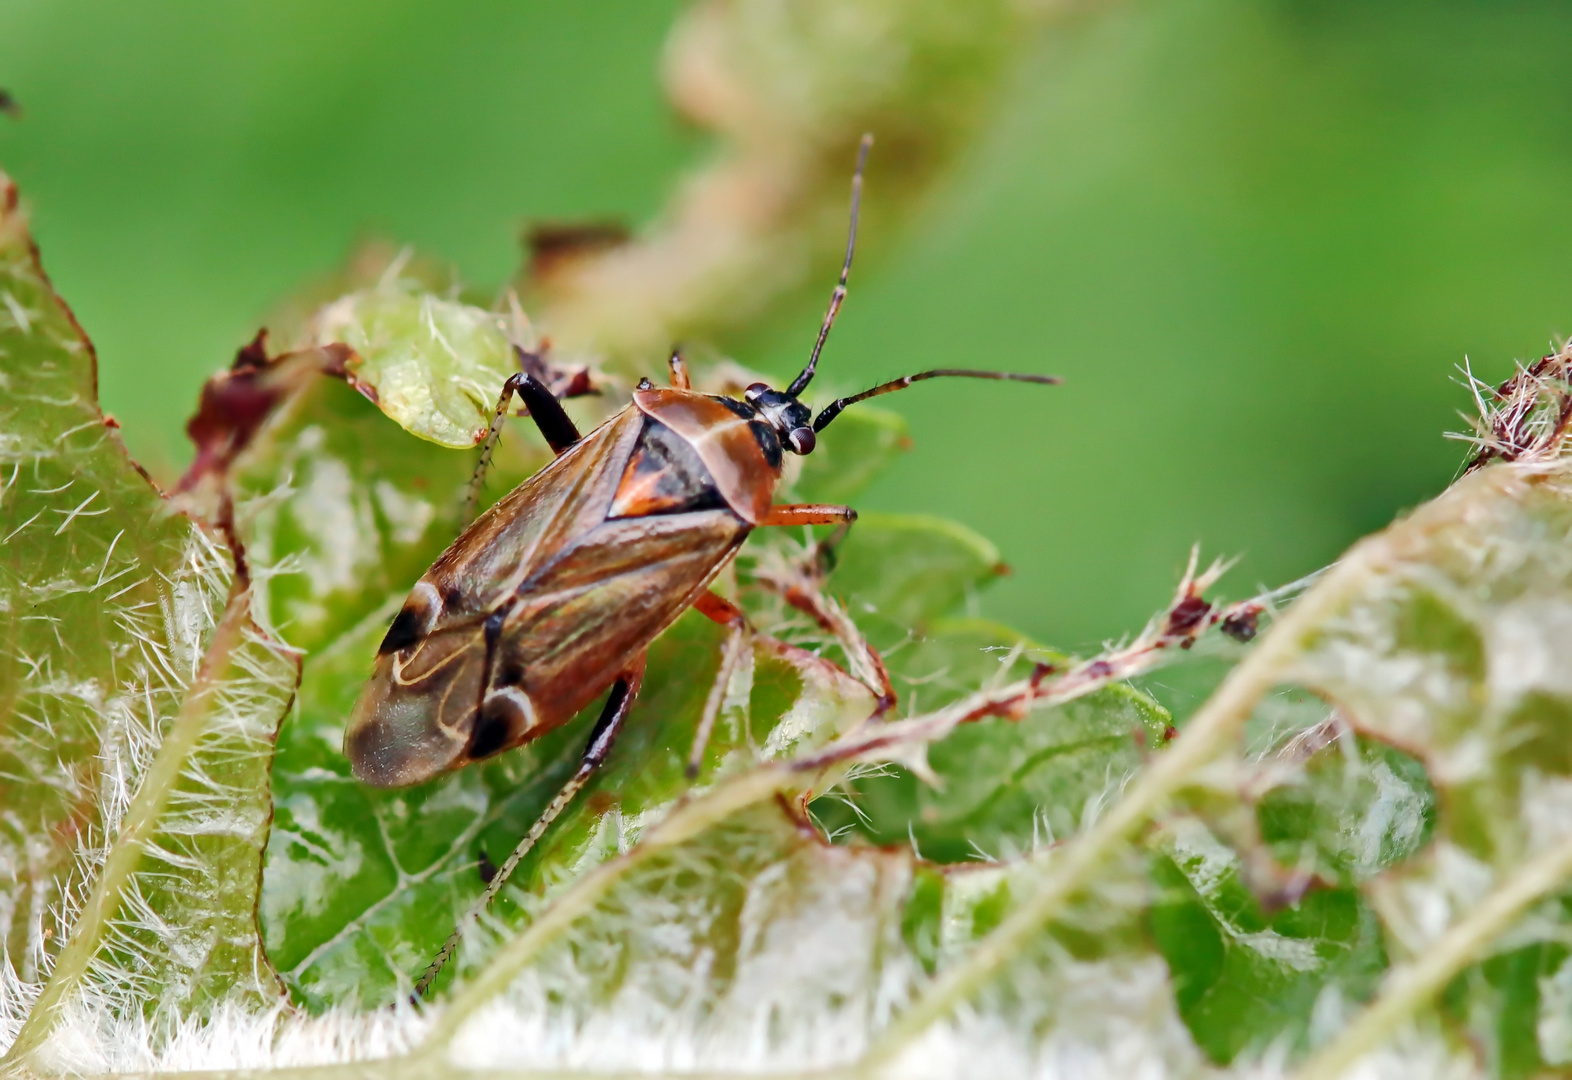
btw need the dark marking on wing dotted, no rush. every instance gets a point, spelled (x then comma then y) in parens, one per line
(511, 673)
(413, 622)
(493, 728)
(663, 476)
(405, 631)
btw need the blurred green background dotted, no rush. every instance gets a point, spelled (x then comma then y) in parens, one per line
(1256, 236)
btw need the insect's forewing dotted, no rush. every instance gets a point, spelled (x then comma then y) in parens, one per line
(607, 598)
(531, 525)
(415, 717)
(573, 594)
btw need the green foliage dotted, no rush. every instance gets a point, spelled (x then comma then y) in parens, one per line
(1355, 850)
(1355, 808)
(429, 362)
(1245, 977)
(137, 705)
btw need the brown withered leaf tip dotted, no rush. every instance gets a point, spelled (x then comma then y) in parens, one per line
(9, 105)
(231, 410)
(236, 403)
(1528, 415)
(563, 382)
(554, 245)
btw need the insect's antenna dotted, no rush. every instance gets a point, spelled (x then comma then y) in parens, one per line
(800, 383)
(836, 407)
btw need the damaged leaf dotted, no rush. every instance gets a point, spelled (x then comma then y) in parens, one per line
(434, 365)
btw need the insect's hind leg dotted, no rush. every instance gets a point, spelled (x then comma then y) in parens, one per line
(730, 616)
(544, 408)
(623, 693)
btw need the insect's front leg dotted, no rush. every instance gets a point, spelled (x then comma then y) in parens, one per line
(809, 514)
(816, 514)
(543, 407)
(730, 616)
(618, 704)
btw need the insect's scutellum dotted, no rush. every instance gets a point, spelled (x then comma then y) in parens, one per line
(552, 596)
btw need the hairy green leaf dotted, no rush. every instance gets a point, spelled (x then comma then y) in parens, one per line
(999, 787)
(434, 365)
(1352, 851)
(137, 710)
(1245, 977)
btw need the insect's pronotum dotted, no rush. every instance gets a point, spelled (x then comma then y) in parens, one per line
(555, 593)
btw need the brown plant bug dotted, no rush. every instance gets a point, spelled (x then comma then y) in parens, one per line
(554, 594)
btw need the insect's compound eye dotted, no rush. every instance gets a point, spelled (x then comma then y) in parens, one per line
(802, 440)
(754, 392)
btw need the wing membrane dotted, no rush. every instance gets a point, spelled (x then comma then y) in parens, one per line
(529, 526)
(623, 583)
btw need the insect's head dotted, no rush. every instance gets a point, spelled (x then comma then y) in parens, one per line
(791, 419)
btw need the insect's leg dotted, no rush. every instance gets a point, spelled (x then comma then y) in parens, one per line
(810, 514)
(488, 446)
(816, 514)
(544, 409)
(731, 617)
(547, 412)
(618, 705)
(679, 371)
